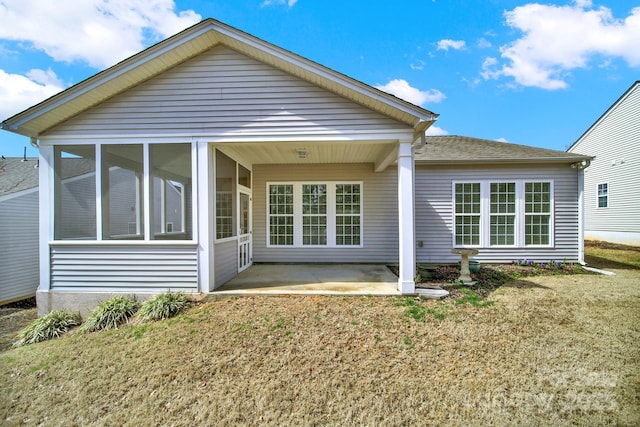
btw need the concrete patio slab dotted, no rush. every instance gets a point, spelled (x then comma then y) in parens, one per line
(312, 279)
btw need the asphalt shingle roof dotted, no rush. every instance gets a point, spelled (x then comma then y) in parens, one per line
(17, 175)
(464, 149)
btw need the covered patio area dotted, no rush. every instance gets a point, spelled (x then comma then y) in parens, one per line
(312, 279)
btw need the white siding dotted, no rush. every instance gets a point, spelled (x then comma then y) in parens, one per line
(226, 262)
(19, 265)
(434, 211)
(379, 213)
(222, 92)
(124, 267)
(615, 142)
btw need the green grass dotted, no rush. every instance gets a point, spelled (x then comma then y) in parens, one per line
(471, 297)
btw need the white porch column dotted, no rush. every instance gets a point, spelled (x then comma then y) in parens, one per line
(46, 202)
(406, 219)
(204, 210)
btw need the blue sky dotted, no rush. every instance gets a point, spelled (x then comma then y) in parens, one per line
(530, 73)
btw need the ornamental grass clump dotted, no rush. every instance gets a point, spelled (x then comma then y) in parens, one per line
(163, 306)
(111, 314)
(49, 326)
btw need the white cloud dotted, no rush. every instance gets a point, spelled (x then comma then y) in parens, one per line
(484, 43)
(19, 92)
(98, 32)
(419, 65)
(447, 44)
(559, 39)
(402, 89)
(289, 3)
(436, 131)
(502, 140)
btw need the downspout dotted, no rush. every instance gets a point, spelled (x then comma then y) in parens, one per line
(34, 143)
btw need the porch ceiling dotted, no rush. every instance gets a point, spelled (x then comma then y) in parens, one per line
(316, 152)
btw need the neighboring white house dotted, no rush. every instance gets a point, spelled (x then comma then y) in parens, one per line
(19, 254)
(275, 158)
(611, 201)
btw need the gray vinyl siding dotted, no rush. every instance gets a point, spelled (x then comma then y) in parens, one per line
(379, 213)
(225, 261)
(224, 92)
(124, 267)
(615, 143)
(19, 265)
(434, 212)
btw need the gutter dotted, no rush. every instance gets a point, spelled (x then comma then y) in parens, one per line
(420, 129)
(572, 160)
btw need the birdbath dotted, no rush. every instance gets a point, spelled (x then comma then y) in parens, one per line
(465, 273)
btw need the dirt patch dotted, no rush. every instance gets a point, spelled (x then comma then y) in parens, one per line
(12, 320)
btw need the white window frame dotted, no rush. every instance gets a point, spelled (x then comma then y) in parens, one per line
(146, 232)
(331, 214)
(485, 213)
(605, 195)
(455, 215)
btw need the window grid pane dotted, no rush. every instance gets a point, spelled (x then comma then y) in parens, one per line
(537, 230)
(348, 205)
(281, 215)
(467, 212)
(224, 214)
(503, 230)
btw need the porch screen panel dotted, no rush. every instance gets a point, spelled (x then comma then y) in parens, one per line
(170, 166)
(75, 195)
(537, 213)
(503, 213)
(281, 214)
(348, 215)
(314, 214)
(122, 181)
(467, 214)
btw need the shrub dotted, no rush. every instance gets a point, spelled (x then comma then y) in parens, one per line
(111, 313)
(49, 326)
(163, 306)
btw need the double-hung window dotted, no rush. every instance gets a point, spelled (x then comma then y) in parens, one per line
(503, 213)
(513, 213)
(537, 213)
(603, 195)
(314, 214)
(467, 213)
(281, 215)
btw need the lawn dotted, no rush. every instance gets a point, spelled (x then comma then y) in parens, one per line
(549, 350)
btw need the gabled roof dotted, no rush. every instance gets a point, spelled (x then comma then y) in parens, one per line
(634, 86)
(189, 43)
(464, 149)
(18, 174)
